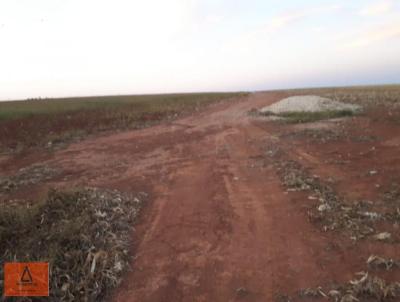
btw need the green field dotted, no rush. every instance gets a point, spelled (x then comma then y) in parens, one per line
(20, 109)
(51, 122)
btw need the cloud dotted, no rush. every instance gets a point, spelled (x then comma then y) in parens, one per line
(267, 35)
(377, 8)
(285, 19)
(282, 21)
(252, 39)
(374, 35)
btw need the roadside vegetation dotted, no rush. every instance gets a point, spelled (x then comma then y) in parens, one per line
(367, 96)
(84, 234)
(53, 122)
(309, 117)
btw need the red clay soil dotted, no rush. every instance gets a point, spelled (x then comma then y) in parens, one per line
(221, 226)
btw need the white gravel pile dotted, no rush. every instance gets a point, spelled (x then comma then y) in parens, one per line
(308, 103)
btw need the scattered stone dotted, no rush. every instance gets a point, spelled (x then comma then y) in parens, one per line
(382, 236)
(371, 215)
(324, 207)
(242, 292)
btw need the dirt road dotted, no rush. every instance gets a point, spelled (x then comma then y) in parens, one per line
(220, 225)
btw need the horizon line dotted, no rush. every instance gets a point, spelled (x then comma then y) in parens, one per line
(197, 92)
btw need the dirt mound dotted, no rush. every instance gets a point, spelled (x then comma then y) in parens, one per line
(308, 103)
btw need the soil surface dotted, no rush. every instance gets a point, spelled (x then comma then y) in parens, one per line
(221, 226)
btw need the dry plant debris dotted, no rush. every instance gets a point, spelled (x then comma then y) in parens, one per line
(365, 287)
(327, 135)
(332, 212)
(376, 262)
(371, 96)
(27, 176)
(83, 234)
(316, 135)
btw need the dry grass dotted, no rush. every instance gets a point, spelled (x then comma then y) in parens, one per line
(84, 235)
(26, 176)
(365, 287)
(363, 95)
(296, 117)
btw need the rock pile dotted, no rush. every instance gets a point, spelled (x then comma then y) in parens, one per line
(308, 103)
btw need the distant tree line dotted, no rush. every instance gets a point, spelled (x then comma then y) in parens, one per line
(36, 99)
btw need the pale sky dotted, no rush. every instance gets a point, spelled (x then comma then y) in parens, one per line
(53, 48)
